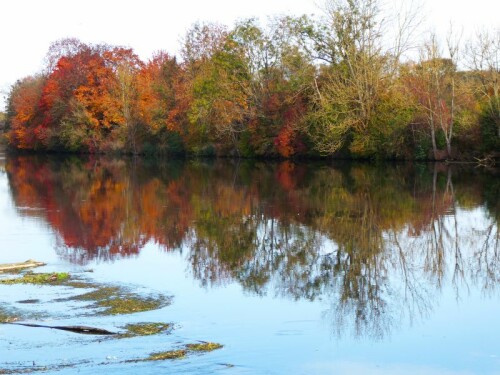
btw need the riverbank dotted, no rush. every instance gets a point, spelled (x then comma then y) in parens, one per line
(490, 159)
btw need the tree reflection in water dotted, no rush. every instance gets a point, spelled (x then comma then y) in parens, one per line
(379, 242)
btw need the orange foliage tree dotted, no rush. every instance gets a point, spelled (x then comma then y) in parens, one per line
(25, 113)
(163, 100)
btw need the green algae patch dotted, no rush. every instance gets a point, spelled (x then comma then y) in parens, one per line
(113, 300)
(100, 294)
(204, 346)
(171, 354)
(145, 329)
(76, 284)
(129, 304)
(201, 347)
(55, 278)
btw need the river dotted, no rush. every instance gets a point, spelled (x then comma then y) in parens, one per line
(295, 268)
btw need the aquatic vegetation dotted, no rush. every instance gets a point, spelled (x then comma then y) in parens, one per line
(130, 303)
(53, 278)
(99, 294)
(145, 329)
(81, 284)
(181, 353)
(113, 300)
(171, 354)
(204, 346)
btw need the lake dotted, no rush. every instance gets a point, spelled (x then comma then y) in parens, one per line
(295, 268)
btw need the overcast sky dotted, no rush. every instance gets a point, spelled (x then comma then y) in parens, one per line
(27, 27)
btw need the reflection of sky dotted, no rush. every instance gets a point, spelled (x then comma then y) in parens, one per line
(275, 335)
(22, 237)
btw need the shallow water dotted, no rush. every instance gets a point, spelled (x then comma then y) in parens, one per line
(295, 268)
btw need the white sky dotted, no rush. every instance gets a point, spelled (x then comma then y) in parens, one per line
(27, 27)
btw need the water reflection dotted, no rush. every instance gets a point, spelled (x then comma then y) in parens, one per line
(379, 243)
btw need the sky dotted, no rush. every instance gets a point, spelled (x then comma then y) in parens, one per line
(28, 27)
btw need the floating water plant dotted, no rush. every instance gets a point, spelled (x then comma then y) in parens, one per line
(130, 303)
(145, 329)
(114, 300)
(171, 354)
(102, 293)
(181, 353)
(204, 346)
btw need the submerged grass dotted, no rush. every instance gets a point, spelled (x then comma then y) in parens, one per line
(130, 304)
(113, 300)
(55, 278)
(145, 329)
(99, 294)
(200, 347)
(78, 284)
(204, 346)
(171, 354)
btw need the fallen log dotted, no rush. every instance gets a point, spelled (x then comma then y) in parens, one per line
(76, 329)
(19, 266)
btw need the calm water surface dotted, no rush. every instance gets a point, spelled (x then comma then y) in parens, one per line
(294, 268)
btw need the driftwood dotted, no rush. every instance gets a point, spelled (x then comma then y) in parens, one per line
(76, 329)
(488, 161)
(19, 266)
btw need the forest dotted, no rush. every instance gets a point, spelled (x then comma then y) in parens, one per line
(345, 84)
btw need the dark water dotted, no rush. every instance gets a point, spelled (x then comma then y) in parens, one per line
(295, 268)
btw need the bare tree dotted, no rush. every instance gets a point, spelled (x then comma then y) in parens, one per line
(360, 74)
(436, 76)
(483, 58)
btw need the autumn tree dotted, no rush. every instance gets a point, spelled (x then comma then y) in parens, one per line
(279, 76)
(125, 65)
(157, 92)
(76, 102)
(66, 47)
(88, 100)
(218, 85)
(439, 93)
(3, 121)
(163, 101)
(483, 60)
(356, 82)
(24, 115)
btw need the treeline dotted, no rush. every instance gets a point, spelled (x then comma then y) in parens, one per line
(299, 86)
